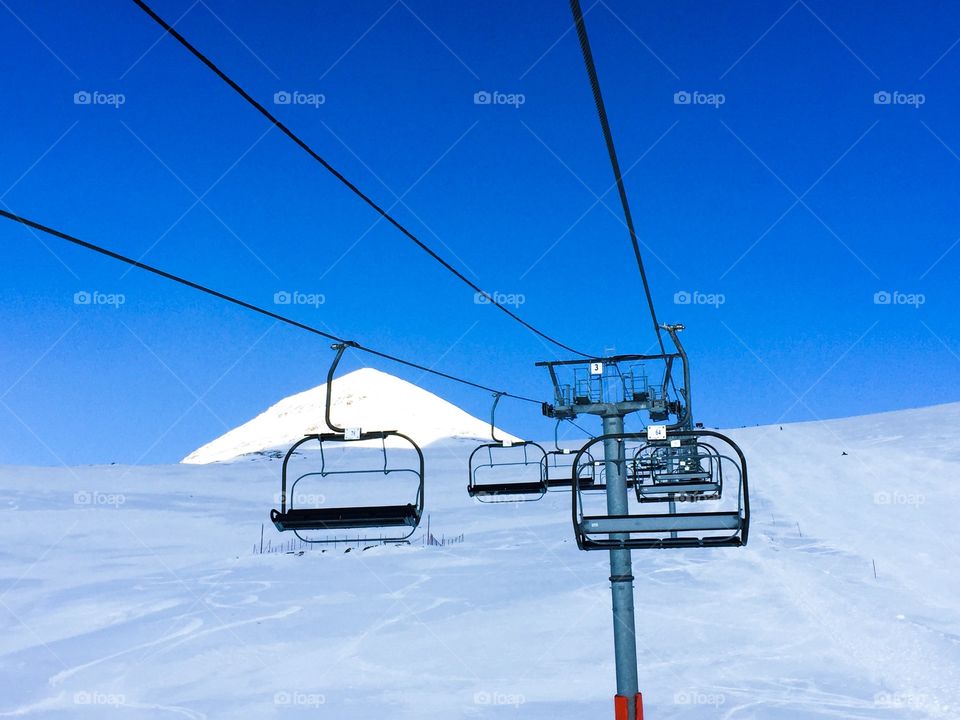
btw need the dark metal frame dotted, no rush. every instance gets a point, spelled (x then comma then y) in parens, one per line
(659, 409)
(355, 517)
(558, 482)
(507, 491)
(687, 490)
(561, 481)
(628, 525)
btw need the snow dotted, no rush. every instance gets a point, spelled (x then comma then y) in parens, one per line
(365, 398)
(136, 592)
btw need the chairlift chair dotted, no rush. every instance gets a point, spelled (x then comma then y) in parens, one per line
(683, 468)
(669, 528)
(558, 467)
(401, 520)
(508, 460)
(505, 461)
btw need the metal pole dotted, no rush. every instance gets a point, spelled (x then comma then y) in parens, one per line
(621, 574)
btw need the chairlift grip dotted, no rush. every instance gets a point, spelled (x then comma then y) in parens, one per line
(340, 348)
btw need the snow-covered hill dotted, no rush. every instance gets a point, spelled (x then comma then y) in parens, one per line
(139, 592)
(366, 398)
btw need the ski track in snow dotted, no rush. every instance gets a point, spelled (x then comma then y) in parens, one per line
(186, 630)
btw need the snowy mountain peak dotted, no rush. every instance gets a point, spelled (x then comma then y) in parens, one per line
(366, 398)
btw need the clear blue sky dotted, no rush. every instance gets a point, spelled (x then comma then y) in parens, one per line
(796, 200)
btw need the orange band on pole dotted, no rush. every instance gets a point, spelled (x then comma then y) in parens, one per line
(621, 707)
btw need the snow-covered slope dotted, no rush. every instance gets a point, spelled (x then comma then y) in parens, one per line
(366, 398)
(139, 592)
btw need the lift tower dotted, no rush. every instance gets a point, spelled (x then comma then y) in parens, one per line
(671, 463)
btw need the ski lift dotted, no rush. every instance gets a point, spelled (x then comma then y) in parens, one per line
(399, 520)
(558, 467)
(597, 529)
(524, 462)
(594, 390)
(683, 469)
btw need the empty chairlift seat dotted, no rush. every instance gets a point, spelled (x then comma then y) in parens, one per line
(683, 468)
(696, 516)
(508, 472)
(358, 462)
(558, 469)
(346, 518)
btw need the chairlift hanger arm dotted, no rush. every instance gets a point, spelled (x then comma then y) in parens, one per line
(340, 348)
(686, 416)
(667, 377)
(493, 418)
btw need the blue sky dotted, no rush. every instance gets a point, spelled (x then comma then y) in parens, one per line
(781, 199)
